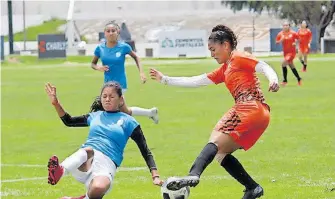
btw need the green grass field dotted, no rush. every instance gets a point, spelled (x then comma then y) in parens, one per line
(48, 27)
(294, 159)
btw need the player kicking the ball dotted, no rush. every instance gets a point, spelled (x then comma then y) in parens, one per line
(243, 124)
(95, 163)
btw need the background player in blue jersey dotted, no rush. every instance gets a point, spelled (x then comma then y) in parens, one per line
(95, 163)
(112, 54)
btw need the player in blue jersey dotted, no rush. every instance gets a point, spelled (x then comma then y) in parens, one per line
(112, 54)
(95, 163)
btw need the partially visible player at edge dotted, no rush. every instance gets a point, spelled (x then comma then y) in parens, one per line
(288, 38)
(95, 163)
(305, 39)
(243, 124)
(112, 54)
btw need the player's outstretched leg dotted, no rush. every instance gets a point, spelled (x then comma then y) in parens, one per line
(284, 68)
(236, 170)
(203, 160)
(151, 113)
(296, 74)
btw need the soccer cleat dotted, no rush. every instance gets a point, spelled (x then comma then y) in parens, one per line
(67, 197)
(300, 82)
(56, 171)
(253, 193)
(154, 116)
(284, 83)
(176, 183)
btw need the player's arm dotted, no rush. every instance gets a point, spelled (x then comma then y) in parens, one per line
(77, 121)
(68, 120)
(94, 63)
(279, 38)
(270, 74)
(138, 136)
(191, 82)
(309, 38)
(137, 61)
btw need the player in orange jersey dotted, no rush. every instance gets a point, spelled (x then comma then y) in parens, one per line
(305, 39)
(288, 39)
(243, 124)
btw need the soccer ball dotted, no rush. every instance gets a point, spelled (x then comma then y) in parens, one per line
(182, 193)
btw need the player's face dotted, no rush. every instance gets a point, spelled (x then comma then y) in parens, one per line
(111, 33)
(110, 99)
(220, 52)
(304, 24)
(286, 27)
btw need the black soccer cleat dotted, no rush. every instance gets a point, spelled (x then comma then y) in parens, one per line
(253, 193)
(176, 183)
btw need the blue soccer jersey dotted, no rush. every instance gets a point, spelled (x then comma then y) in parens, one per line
(109, 133)
(114, 58)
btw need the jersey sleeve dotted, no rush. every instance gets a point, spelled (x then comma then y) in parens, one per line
(97, 51)
(217, 76)
(295, 36)
(130, 125)
(90, 117)
(310, 36)
(127, 48)
(278, 37)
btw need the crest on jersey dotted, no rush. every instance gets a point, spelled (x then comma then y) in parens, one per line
(118, 54)
(120, 122)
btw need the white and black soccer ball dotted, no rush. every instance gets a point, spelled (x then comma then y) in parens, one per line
(182, 193)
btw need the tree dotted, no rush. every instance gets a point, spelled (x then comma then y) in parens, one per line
(316, 13)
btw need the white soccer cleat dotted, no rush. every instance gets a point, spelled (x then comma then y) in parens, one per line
(154, 115)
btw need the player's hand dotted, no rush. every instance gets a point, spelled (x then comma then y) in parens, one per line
(102, 68)
(157, 181)
(156, 75)
(143, 77)
(51, 91)
(309, 45)
(274, 87)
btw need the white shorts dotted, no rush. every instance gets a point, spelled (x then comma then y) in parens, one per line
(101, 166)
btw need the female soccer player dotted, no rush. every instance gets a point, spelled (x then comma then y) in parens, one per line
(243, 124)
(288, 39)
(95, 163)
(112, 54)
(305, 39)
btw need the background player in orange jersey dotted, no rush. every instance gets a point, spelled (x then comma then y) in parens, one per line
(288, 39)
(305, 39)
(243, 124)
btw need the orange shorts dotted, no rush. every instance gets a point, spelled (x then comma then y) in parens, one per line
(289, 56)
(304, 49)
(245, 122)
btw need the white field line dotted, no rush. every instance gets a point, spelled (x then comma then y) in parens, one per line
(153, 63)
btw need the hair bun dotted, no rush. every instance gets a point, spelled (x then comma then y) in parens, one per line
(220, 27)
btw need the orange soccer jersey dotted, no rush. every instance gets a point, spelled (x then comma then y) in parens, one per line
(246, 121)
(288, 42)
(305, 38)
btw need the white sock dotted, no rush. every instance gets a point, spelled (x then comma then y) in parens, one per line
(141, 111)
(75, 160)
